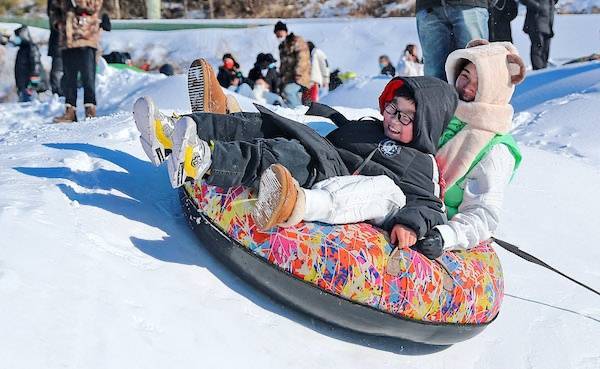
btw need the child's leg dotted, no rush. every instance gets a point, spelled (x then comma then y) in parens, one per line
(351, 199)
(232, 163)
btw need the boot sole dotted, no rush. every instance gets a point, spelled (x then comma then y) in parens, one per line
(276, 197)
(196, 83)
(185, 128)
(144, 117)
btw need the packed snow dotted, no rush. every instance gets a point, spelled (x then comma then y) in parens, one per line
(98, 268)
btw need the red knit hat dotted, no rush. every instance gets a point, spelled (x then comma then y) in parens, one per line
(388, 92)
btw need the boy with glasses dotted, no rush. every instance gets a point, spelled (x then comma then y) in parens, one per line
(301, 175)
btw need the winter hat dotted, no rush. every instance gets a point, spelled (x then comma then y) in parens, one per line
(280, 26)
(389, 91)
(499, 69)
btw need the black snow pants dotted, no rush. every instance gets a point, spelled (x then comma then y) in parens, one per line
(244, 146)
(80, 60)
(540, 49)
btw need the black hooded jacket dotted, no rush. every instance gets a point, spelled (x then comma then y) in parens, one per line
(28, 61)
(411, 166)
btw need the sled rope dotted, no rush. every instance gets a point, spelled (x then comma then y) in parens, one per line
(532, 259)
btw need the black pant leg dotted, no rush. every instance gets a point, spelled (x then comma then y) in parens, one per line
(228, 127)
(537, 50)
(56, 73)
(69, 79)
(546, 48)
(88, 74)
(242, 162)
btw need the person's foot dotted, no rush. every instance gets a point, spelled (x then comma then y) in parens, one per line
(191, 156)
(70, 115)
(280, 199)
(204, 89)
(156, 129)
(90, 111)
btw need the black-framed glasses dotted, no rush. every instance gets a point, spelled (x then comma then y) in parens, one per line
(402, 117)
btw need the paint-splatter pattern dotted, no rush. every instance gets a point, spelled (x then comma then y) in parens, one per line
(351, 261)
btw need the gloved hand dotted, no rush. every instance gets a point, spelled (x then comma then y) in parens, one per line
(431, 245)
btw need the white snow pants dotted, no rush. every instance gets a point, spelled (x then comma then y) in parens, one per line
(352, 199)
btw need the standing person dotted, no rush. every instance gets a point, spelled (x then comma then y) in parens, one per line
(319, 73)
(502, 12)
(386, 67)
(410, 65)
(79, 26)
(446, 26)
(29, 73)
(538, 25)
(56, 71)
(295, 65)
(265, 68)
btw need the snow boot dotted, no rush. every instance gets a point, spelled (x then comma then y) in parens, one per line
(204, 89)
(191, 156)
(281, 200)
(70, 115)
(156, 129)
(90, 111)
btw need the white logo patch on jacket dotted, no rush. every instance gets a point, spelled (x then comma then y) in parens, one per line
(389, 148)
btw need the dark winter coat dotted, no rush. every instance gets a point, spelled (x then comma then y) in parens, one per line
(226, 76)
(540, 16)
(295, 61)
(388, 70)
(27, 63)
(501, 15)
(53, 17)
(427, 4)
(410, 166)
(272, 77)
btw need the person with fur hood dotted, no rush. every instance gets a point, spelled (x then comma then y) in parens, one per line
(477, 155)
(294, 66)
(78, 23)
(296, 170)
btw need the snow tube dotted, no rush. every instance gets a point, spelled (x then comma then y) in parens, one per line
(340, 273)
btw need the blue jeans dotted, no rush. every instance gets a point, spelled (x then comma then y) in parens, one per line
(445, 29)
(291, 93)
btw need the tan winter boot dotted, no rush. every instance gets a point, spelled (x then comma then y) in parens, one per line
(280, 200)
(69, 116)
(204, 89)
(90, 111)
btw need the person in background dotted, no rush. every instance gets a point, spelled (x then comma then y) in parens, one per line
(319, 73)
(501, 12)
(410, 65)
(295, 65)
(265, 68)
(56, 71)
(229, 73)
(29, 73)
(78, 22)
(386, 67)
(538, 25)
(445, 26)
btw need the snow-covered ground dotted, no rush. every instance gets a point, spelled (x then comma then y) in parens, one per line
(98, 268)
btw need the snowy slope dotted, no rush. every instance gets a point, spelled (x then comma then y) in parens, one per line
(98, 268)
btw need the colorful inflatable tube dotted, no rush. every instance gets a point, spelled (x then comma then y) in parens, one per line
(349, 275)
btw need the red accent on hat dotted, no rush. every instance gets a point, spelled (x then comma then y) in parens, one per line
(388, 92)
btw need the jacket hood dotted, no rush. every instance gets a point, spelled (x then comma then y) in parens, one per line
(23, 33)
(435, 102)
